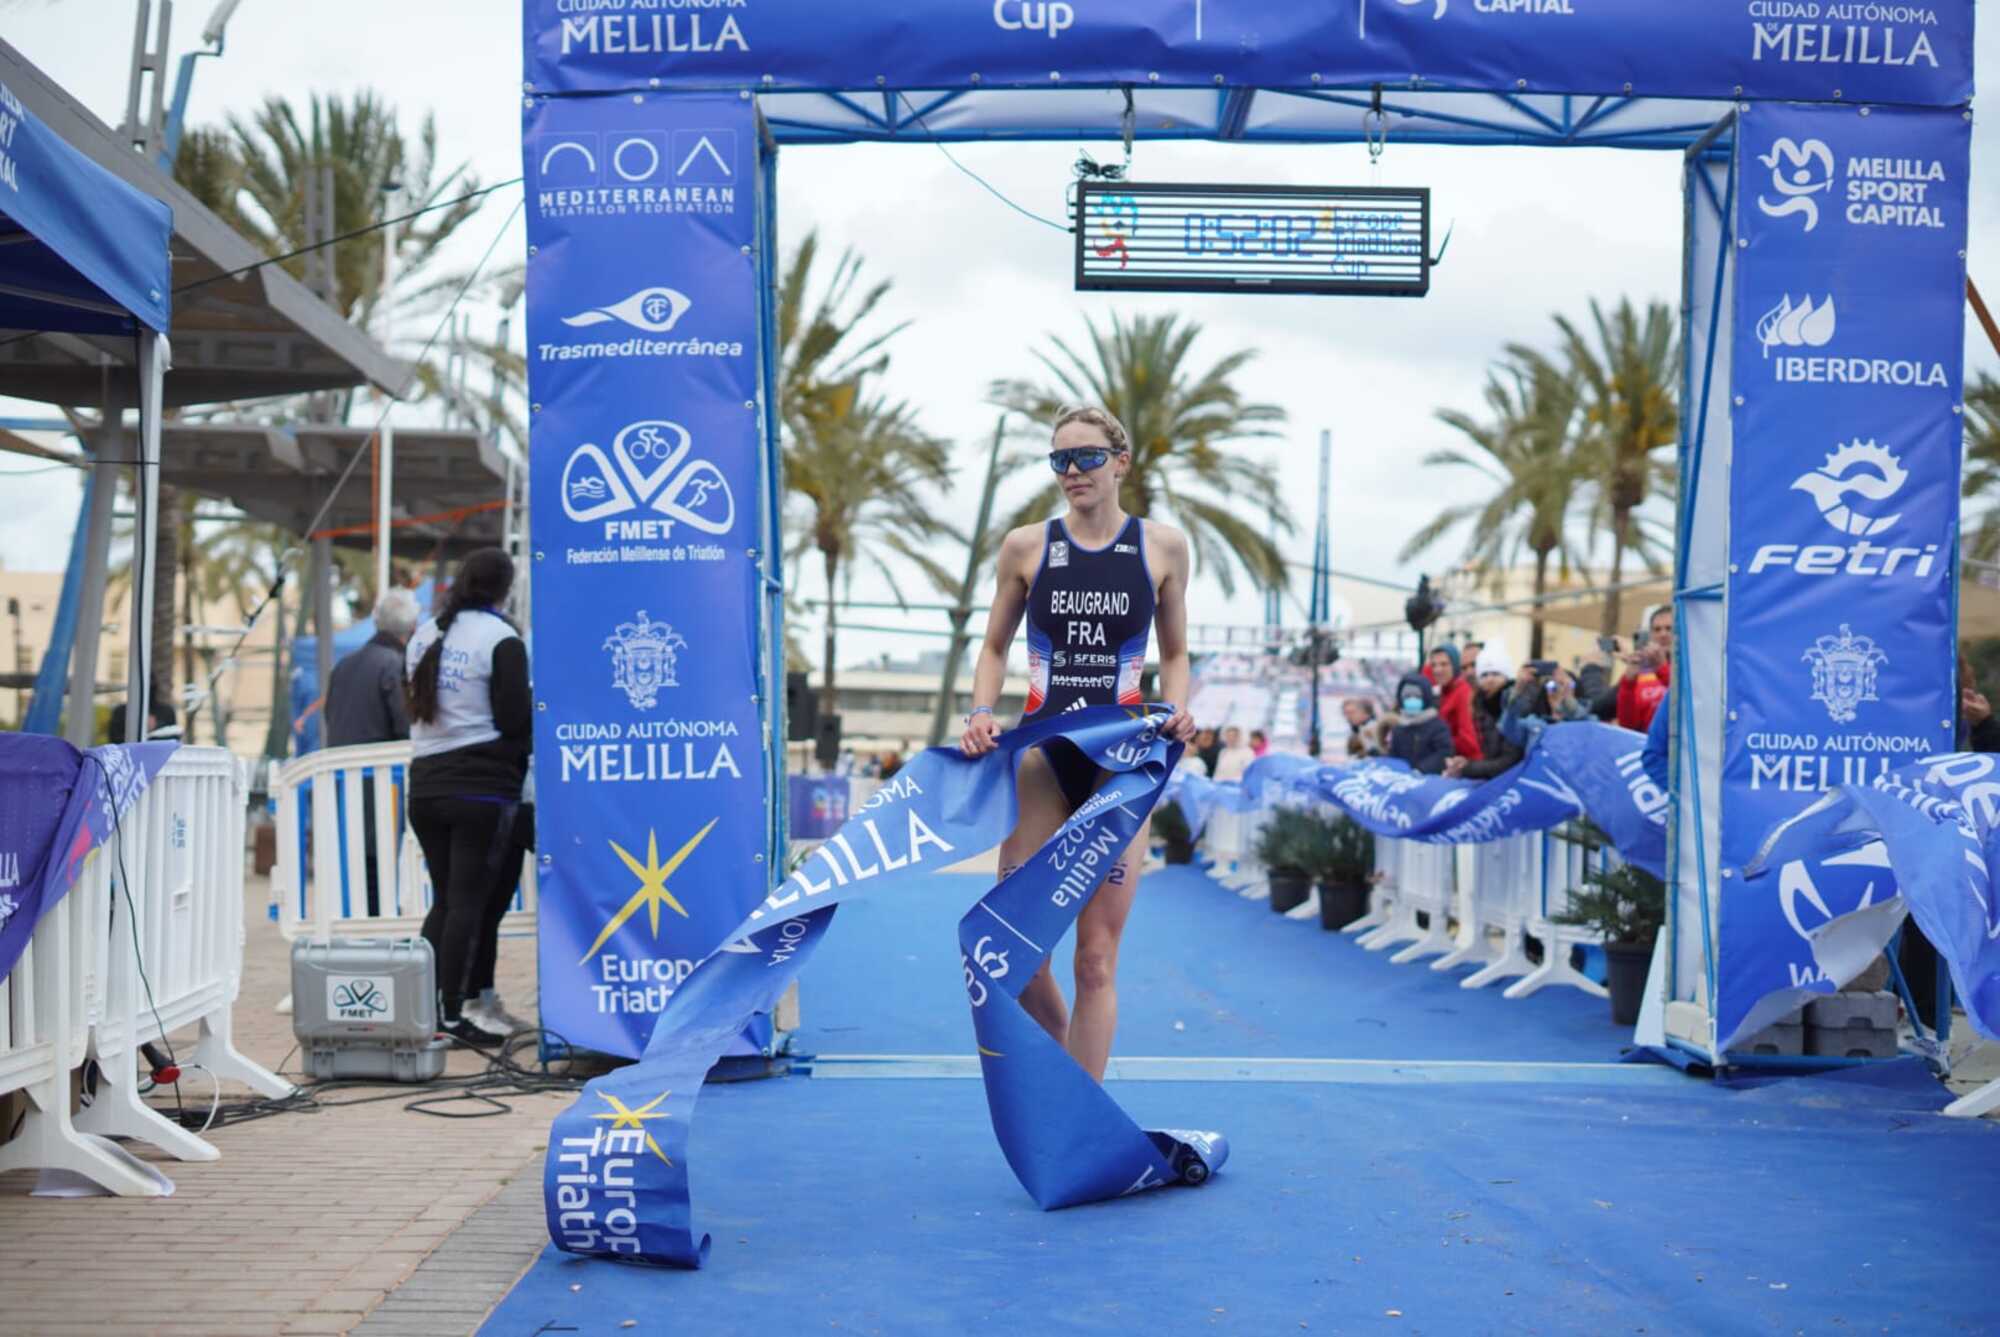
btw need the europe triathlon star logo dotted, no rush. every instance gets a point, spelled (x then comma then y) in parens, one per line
(620, 1116)
(653, 891)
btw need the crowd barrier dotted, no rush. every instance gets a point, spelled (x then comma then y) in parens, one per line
(148, 941)
(320, 881)
(1461, 905)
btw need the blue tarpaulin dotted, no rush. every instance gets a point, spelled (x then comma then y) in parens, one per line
(80, 250)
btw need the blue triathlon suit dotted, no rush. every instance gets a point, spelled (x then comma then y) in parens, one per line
(1090, 614)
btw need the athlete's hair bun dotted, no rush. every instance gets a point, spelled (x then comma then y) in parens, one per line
(1114, 430)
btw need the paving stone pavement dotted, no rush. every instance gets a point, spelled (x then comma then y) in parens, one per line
(309, 1220)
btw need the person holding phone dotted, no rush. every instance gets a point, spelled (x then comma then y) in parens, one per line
(1544, 693)
(1648, 672)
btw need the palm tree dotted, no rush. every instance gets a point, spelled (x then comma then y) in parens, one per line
(1628, 377)
(1982, 463)
(867, 475)
(1182, 421)
(1527, 449)
(859, 460)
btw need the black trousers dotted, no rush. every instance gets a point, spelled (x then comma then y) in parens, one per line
(465, 843)
(517, 837)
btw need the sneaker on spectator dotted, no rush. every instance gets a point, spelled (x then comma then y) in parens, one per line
(489, 1012)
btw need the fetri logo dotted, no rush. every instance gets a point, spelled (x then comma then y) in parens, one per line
(1856, 474)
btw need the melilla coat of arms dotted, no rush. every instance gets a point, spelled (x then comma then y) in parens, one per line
(642, 659)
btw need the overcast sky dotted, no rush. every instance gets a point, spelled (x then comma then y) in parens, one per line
(1537, 232)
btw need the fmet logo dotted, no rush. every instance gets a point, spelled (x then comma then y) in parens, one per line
(1853, 476)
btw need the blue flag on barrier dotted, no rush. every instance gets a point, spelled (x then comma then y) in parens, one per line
(1933, 827)
(56, 806)
(616, 1178)
(1580, 769)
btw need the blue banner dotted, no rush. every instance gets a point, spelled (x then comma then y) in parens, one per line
(1931, 830)
(56, 806)
(1908, 53)
(1846, 367)
(1575, 770)
(616, 1178)
(818, 805)
(650, 748)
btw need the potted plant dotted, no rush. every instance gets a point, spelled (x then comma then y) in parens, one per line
(1283, 847)
(1170, 825)
(1627, 905)
(1343, 863)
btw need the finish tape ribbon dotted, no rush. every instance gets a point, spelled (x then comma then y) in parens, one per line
(616, 1179)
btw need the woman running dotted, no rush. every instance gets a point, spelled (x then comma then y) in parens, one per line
(1092, 586)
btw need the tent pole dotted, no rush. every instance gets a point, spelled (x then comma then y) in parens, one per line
(384, 490)
(80, 720)
(153, 354)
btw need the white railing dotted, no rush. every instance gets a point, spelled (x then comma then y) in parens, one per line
(149, 941)
(320, 881)
(1564, 862)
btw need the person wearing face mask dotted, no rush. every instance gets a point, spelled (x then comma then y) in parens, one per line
(1416, 734)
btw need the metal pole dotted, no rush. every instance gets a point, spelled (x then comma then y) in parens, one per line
(1322, 600)
(961, 615)
(153, 355)
(80, 720)
(386, 489)
(322, 600)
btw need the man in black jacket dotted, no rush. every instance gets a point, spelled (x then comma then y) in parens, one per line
(364, 703)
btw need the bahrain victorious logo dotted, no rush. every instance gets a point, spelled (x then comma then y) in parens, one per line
(1881, 476)
(1798, 172)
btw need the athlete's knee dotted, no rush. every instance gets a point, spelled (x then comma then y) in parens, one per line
(1096, 965)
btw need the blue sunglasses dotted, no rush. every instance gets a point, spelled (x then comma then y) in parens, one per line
(1085, 458)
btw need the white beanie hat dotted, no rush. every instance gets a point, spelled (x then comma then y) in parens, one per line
(1493, 658)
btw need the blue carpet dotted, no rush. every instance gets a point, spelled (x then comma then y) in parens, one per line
(1201, 972)
(1812, 1205)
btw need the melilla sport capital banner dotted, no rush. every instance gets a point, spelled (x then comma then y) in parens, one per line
(650, 768)
(1843, 507)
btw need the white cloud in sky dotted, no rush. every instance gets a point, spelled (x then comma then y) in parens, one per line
(1538, 231)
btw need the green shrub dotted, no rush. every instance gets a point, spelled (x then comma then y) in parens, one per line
(1286, 840)
(1627, 904)
(1341, 852)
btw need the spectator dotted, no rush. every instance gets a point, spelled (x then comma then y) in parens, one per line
(470, 734)
(1416, 733)
(1235, 758)
(1469, 651)
(1259, 742)
(1648, 672)
(1208, 747)
(364, 704)
(1364, 731)
(161, 722)
(1491, 674)
(1454, 700)
(891, 762)
(1978, 731)
(1537, 702)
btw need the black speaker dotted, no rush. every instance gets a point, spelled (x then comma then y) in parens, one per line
(826, 747)
(801, 709)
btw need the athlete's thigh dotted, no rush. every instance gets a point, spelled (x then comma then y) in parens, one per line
(1102, 922)
(1041, 807)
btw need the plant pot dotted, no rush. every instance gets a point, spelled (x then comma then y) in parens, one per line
(1178, 851)
(1340, 904)
(1625, 967)
(1289, 889)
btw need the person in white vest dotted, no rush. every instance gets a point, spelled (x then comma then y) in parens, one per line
(471, 714)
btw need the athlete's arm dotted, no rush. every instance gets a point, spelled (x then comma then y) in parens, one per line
(1167, 551)
(989, 674)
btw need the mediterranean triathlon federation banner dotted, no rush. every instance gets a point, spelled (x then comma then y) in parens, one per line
(644, 456)
(1575, 770)
(1843, 500)
(1810, 50)
(616, 1179)
(56, 806)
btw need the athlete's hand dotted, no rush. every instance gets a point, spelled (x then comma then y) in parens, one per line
(1179, 727)
(982, 734)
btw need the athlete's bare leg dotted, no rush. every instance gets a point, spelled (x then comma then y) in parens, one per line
(1098, 930)
(1042, 811)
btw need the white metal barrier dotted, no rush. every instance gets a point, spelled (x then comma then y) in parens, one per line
(1563, 864)
(1506, 886)
(150, 940)
(324, 801)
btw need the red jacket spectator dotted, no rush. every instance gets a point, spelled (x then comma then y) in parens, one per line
(1454, 701)
(1641, 693)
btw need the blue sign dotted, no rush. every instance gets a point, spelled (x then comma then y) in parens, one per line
(818, 805)
(650, 751)
(616, 1179)
(56, 806)
(1913, 54)
(1846, 369)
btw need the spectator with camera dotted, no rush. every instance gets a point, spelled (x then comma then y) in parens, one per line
(1648, 672)
(1544, 693)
